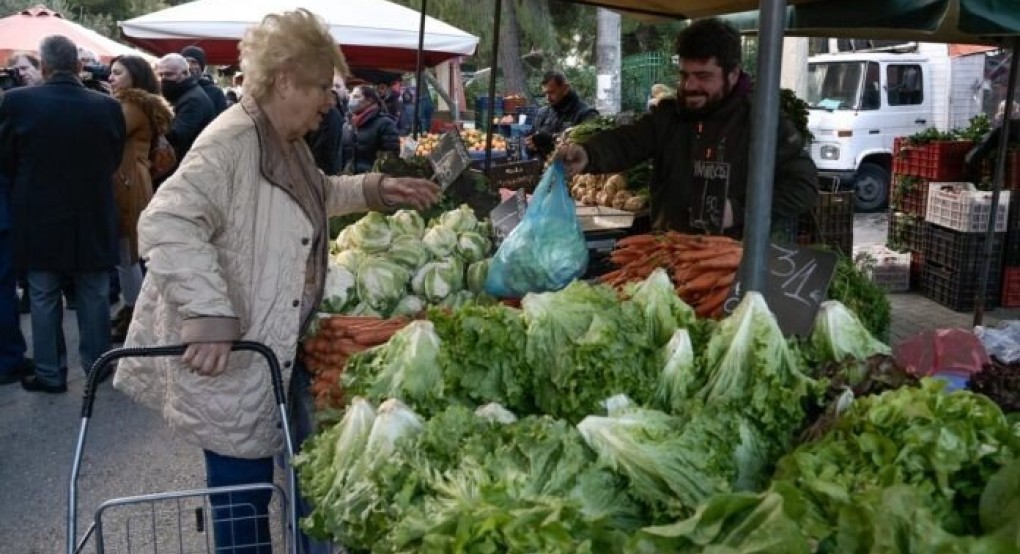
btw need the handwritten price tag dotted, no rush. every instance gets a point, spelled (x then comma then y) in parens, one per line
(450, 159)
(797, 284)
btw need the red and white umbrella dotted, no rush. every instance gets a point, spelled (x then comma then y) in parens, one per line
(23, 31)
(371, 33)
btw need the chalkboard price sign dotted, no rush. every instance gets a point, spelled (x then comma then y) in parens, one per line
(797, 284)
(506, 216)
(449, 159)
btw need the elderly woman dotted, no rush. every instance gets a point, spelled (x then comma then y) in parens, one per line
(236, 243)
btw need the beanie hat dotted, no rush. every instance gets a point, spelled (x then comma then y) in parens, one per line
(195, 53)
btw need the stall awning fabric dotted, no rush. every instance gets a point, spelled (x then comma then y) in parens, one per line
(23, 31)
(372, 33)
(952, 21)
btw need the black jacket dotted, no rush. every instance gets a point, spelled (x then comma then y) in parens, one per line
(554, 119)
(215, 94)
(669, 137)
(325, 142)
(361, 146)
(60, 145)
(192, 112)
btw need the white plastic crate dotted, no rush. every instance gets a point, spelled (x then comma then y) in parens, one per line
(961, 207)
(887, 269)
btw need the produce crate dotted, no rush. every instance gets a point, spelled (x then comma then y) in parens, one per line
(961, 207)
(957, 289)
(944, 161)
(916, 270)
(831, 223)
(959, 251)
(906, 232)
(909, 195)
(1011, 287)
(888, 270)
(513, 176)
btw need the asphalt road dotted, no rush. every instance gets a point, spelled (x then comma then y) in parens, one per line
(128, 452)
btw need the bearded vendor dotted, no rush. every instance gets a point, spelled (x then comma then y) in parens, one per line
(699, 145)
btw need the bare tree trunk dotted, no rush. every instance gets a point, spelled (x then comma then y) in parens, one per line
(607, 61)
(510, 50)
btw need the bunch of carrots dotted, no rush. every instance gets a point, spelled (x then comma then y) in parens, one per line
(702, 267)
(339, 337)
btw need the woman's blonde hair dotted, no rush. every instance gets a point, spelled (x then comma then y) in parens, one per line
(296, 40)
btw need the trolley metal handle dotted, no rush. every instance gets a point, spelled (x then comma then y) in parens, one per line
(91, 382)
(89, 397)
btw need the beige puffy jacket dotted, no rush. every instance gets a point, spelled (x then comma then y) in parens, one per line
(227, 241)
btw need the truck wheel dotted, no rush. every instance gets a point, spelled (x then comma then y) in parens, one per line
(871, 187)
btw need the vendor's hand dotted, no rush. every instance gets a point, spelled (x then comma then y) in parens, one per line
(418, 193)
(207, 358)
(573, 156)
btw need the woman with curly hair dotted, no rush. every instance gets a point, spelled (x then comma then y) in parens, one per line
(148, 117)
(236, 243)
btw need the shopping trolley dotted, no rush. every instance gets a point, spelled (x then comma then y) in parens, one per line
(180, 521)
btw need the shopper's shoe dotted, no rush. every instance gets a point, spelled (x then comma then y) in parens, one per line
(16, 373)
(33, 384)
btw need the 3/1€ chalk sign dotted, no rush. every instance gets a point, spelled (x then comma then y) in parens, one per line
(797, 284)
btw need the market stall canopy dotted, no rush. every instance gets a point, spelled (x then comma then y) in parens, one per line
(953, 21)
(372, 33)
(681, 9)
(23, 31)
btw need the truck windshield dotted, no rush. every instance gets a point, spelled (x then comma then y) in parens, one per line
(834, 85)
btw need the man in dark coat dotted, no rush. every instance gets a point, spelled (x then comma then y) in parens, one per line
(565, 110)
(13, 364)
(196, 66)
(192, 108)
(699, 145)
(64, 216)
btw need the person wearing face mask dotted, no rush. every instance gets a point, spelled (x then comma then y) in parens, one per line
(699, 145)
(192, 108)
(369, 131)
(237, 244)
(196, 65)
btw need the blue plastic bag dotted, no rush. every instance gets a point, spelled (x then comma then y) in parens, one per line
(547, 250)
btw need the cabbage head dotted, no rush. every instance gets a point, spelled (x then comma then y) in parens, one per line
(363, 309)
(343, 240)
(839, 334)
(476, 274)
(460, 220)
(472, 247)
(382, 283)
(339, 290)
(409, 252)
(407, 223)
(437, 280)
(440, 241)
(350, 259)
(372, 233)
(409, 306)
(458, 300)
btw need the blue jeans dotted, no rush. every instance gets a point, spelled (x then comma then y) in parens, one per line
(92, 295)
(240, 520)
(12, 342)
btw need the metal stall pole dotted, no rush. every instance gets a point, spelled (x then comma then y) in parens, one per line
(492, 86)
(765, 120)
(1000, 170)
(416, 124)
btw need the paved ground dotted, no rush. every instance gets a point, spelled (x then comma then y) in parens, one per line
(130, 452)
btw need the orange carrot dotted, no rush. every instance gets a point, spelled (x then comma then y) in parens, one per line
(637, 240)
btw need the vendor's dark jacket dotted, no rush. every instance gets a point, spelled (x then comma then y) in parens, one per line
(193, 110)
(553, 119)
(325, 142)
(669, 137)
(360, 147)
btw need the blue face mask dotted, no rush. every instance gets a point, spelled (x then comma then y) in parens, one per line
(355, 103)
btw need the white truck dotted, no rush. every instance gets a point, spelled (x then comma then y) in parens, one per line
(860, 101)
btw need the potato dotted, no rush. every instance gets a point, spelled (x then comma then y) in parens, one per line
(623, 196)
(604, 198)
(635, 204)
(589, 199)
(618, 181)
(618, 204)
